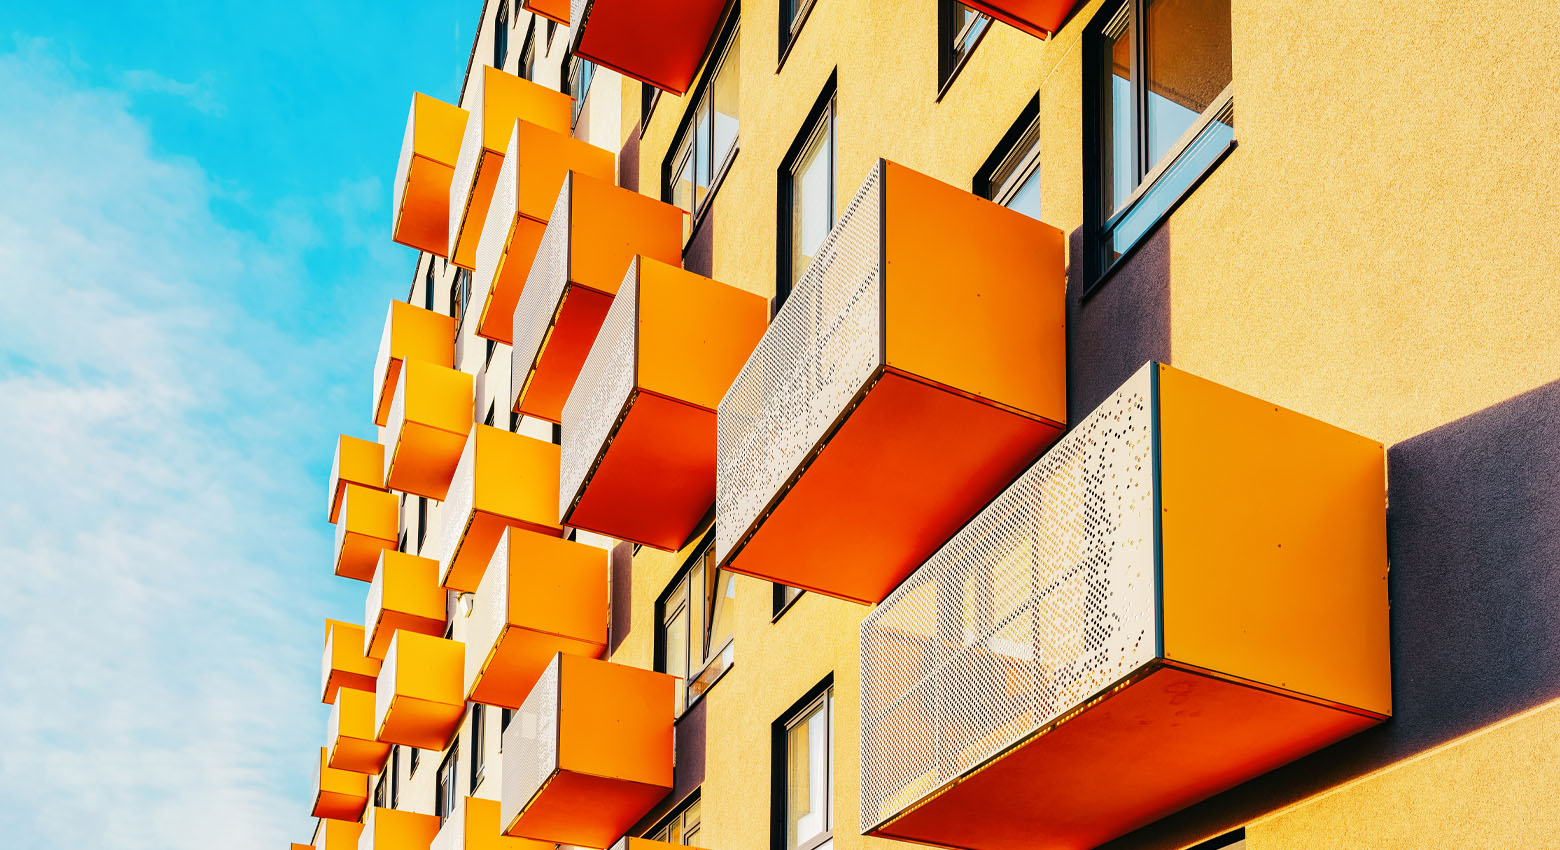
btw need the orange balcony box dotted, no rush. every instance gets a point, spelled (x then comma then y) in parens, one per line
(345, 665)
(394, 829)
(885, 405)
(1187, 591)
(429, 149)
(350, 733)
(592, 752)
(359, 462)
(411, 333)
(426, 431)
(596, 229)
(369, 523)
(540, 596)
(497, 100)
(297, 846)
(659, 42)
(524, 202)
(419, 700)
(553, 10)
(338, 794)
(405, 595)
(337, 834)
(1039, 18)
(639, 427)
(474, 826)
(504, 480)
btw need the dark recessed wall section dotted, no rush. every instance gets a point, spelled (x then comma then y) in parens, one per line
(699, 256)
(620, 579)
(688, 772)
(628, 163)
(1122, 325)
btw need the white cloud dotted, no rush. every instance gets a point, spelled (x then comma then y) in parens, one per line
(200, 93)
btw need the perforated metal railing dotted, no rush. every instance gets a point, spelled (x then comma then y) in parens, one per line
(489, 609)
(372, 603)
(382, 359)
(403, 166)
(333, 724)
(531, 744)
(341, 529)
(455, 511)
(544, 286)
(579, 15)
(604, 385)
(496, 232)
(467, 160)
(1044, 600)
(820, 350)
(327, 659)
(452, 833)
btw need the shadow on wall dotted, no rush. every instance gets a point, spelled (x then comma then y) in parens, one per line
(1473, 531)
(628, 163)
(620, 561)
(1123, 324)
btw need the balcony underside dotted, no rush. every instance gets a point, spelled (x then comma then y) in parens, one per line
(575, 324)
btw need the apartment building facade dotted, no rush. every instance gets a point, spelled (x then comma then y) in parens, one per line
(841, 423)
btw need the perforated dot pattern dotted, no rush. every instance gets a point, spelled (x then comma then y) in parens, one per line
(455, 512)
(382, 359)
(531, 745)
(466, 162)
(496, 230)
(489, 610)
(544, 286)
(385, 687)
(403, 166)
(606, 381)
(372, 603)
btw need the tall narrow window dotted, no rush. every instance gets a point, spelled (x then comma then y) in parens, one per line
(959, 30)
(445, 788)
(528, 52)
(694, 638)
(807, 195)
(478, 743)
(460, 294)
(793, 13)
(1011, 176)
(428, 285)
(803, 759)
(501, 35)
(579, 73)
(413, 758)
(395, 777)
(784, 596)
(422, 537)
(707, 140)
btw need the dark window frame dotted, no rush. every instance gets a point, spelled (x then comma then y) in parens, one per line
(527, 69)
(824, 109)
(994, 175)
(950, 59)
(501, 35)
(821, 693)
(678, 816)
(791, 27)
(428, 298)
(422, 525)
(783, 600)
(446, 784)
(478, 741)
(395, 776)
(682, 137)
(698, 668)
(413, 758)
(572, 67)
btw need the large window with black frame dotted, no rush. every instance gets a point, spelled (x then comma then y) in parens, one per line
(695, 619)
(447, 785)
(478, 743)
(501, 35)
(1011, 175)
(802, 773)
(707, 140)
(807, 191)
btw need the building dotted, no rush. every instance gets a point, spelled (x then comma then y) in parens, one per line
(1345, 211)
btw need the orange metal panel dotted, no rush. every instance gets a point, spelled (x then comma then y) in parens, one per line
(411, 333)
(504, 480)
(427, 428)
(395, 829)
(356, 462)
(476, 821)
(1275, 566)
(422, 194)
(555, 10)
(297, 846)
(694, 333)
(338, 794)
(404, 595)
(660, 42)
(369, 523)
(345, 665)
(557, 365)
(419, 699)
(1039, 18)
(350, 733)
(547, 595)
(337, 835)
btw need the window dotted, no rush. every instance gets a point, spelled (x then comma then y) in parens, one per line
(806, 194)
(793, 13)
(381, 789)
(422, 537)
(501, 35)
(695, 614)
(552, 27)
(460, 293)
(478, 743)
(649, 96)
(528, 53)
(959, 30)
(682, 827)
(1159, 110)
(492, 410)
(784, 596)
(428, 285)
(803, 764)
(504, 715)
(580, 73)
(395, 776)
(514, 421)
(444, 790)
(414, 756)
(1011, 176)
(707, 140)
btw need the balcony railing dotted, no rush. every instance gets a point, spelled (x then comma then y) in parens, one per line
(350, 733)
(344, 665)
(426, 431)
(396, 829)
(1187, 591)
(553, 10)
(360, 462)
(419, 700)
(421, 202)
(612, 33)
(338, 794)
(368, 523)
(474, 826)
(1040, 18)
(411, 333)
(337, 834)
(503, 480)
(404, 596)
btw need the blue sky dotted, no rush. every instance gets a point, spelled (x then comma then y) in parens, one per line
(194, 262)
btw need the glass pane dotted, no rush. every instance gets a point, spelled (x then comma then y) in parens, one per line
(682, 190)
(722, 594)
(694, 587)
(1119, 130)
(1188, 66)
(1211, 143)
(1027, 198)
(968, 24)
(701, 153)
(677, 643)
(807, 777)
(726, 99)
(810, 202)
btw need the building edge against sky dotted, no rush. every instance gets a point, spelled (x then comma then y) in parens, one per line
(1328, 223)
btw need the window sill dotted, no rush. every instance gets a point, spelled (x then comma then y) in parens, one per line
(727, 647)
(953, 74)
(794, 32)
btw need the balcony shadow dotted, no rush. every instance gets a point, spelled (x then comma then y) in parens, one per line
(620, 565)
(628, 163)
(1123, 324)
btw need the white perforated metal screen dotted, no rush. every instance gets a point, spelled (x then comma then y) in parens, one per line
(606, 381)
(579, 15)
(1044, 600)
(384, 687)
(455, 512)
(371, 605)
(452, 833)
(822, 348)
(403, 165)
(382, 359)
(496, 230)
(468, 159)
(395, 420)
(544, 287)
(531, 744)
(489, 610)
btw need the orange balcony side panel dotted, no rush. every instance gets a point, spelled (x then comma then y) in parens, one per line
(338, 794)
(345, 665)
(411, 333)
(350, 733)
(419, 699)
(357, 462)
(553, 10)
(1039, 18)
(422, 189)
(593, 811)
(610, 225)
(496, 291)
(504, 480)
(1142, 753)
(477, 822)
(426, 431)
(404, 595)
(337, 835)
(396, 829)
(541, 596)
(694, 333)
(552, 374)
(297, 846)
(659, 42)
(369, 523)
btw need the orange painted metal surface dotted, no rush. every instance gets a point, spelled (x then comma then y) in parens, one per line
(504, 480)
(344, 664)
(653, 478)
(369, 523)
(429, 419)
(397, 829)
(338, 794)
(497, 100)
(411, 333)
(419, 699)
(337, 835)
(476, 827)
(349, 735)
(357, 462)
(1039, 18)
(554, 10)
(404, 596)
(613, 758)
(543, 162)
(659, 42)
(540, 596)
(422, 194)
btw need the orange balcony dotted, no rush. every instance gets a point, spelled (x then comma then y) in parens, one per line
(885, 405)
(345, 665)
(411, 333)
(349, 735)
(497, 100)
(474, 826)
(553, 10)
(338, 794)
(540, 596)
(638, 457)
(527, 195)
(504, 480)
(427, 427)
(589, 752)
(1039, 18)
(369, 523)
(297, 846)
(337, 835)
(394, 829)
(359, 462)
(596, 229)
(1187, 591)
(429, 149)
(404, 596)
(659, 42)
(419, 700)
